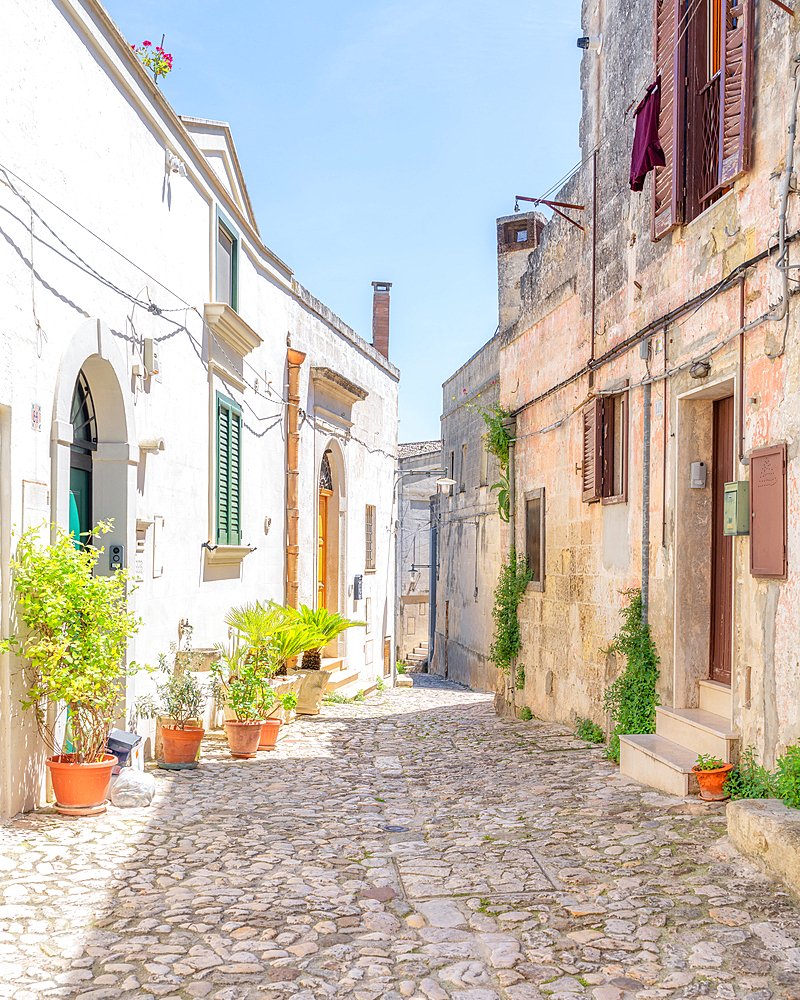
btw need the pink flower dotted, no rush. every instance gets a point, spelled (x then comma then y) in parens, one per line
(145, 43)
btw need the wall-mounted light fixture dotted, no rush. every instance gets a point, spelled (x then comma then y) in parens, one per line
(443, 485)
(700, 369)
(152, 445)
(591, 43)
(175, 165)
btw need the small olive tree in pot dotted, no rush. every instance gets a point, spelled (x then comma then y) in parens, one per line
(73, 628)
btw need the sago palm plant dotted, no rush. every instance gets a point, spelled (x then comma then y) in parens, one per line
(323, 626)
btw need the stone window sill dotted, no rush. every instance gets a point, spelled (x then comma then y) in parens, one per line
(226, 555)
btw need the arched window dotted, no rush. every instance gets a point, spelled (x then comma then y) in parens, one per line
(84, 442)
(325, 476)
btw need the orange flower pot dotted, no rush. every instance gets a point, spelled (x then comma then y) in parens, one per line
(80, 789)
(243, 738)
(712, 783)
(181, 746)
(269, 734)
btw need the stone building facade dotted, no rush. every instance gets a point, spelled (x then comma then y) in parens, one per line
(163, 367)
(654, 359)
(467, 532)
(418, 468)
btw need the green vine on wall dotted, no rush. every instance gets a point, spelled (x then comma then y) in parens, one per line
(506, 641)
(631, 700)
(497, 440)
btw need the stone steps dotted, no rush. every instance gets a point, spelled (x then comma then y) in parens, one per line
(665, 759)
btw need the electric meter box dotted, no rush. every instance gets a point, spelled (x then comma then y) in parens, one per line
(736, 518)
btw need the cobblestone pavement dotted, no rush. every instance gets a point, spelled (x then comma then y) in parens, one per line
(410, 846)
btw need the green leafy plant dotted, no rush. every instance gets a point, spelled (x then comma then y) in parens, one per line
(526, 714)
(787, 777)
(254, 627)
(506, 641)
(400, 667)
(708, 762)
(154, 58)
(748, 779)
(519, 680)
(631, 699)
(75, 626)
(248, 694)
(587, 730)
(380, 685)
(289, 701)
(503, 497)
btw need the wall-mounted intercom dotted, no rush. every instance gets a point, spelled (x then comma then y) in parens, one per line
(698, 477)
(152, 362)
(116, 556)
(358, 587)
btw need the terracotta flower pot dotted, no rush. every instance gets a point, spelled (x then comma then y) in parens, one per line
(243, 738)
(181, 746)
(269, 734)
(80, 789)
(712, 782)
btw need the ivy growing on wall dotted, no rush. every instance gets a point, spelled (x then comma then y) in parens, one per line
(506, 642)
(497, 439)
(631, 700)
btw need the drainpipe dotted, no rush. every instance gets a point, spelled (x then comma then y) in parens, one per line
(782, 262)
(646, 501)
(510, 427)
(294, 361)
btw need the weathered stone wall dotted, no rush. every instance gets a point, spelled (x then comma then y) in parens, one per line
(593, 551)
(470, 537)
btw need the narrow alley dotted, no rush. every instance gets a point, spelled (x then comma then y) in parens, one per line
(413, 845)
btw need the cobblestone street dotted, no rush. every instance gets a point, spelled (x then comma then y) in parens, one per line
(410, 846)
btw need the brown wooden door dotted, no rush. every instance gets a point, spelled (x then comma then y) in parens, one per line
(721, 546)
(322, 561)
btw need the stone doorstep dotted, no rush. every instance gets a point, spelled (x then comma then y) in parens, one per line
(715, 697)
(768, 831)
(658, 762)
(699, 731)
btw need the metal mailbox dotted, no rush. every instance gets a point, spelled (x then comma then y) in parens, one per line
(736, 518)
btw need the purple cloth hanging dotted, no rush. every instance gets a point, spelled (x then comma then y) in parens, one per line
(647, 151)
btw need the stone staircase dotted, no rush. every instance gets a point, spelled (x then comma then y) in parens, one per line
(418, 657)
(664, 760)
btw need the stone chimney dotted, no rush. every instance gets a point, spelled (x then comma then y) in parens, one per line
(380, 317)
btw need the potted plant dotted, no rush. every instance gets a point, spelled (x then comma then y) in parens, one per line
(323, 626)
(181, 700)
(75, 627)
(712, 774)
(238, 685)
(271, 726)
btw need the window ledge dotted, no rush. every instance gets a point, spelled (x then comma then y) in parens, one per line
(226, 555)
(227, 325)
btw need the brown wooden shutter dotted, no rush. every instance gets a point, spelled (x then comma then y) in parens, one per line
(593, 451)
(667, 212)
(736, 98)
(768, 511)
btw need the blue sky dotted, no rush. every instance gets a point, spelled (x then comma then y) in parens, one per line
(379, 142)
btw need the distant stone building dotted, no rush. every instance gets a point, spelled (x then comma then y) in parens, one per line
(468, 535)
(419, 466)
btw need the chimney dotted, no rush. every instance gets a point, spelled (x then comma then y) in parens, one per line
(380, 317)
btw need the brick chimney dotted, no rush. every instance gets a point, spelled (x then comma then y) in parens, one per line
(380, 317)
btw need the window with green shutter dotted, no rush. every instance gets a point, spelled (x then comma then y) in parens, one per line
(229, 471)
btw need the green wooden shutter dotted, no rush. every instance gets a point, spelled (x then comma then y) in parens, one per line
(229, 467)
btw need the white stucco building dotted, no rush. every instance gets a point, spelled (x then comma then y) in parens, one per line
(144, 371)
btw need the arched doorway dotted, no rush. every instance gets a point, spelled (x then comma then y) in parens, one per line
(323, 533)
(84, 443)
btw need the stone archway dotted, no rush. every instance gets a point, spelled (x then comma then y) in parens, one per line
(93, 362)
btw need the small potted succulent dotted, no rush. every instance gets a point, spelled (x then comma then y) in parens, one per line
(74, 625)
(712, 773)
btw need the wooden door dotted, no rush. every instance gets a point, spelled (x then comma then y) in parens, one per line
(322, 559)
(721, 546)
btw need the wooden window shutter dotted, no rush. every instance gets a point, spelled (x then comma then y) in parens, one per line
(229, 437)
(593, 451)
(736, 98)
(768, 511)
(670, 60)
